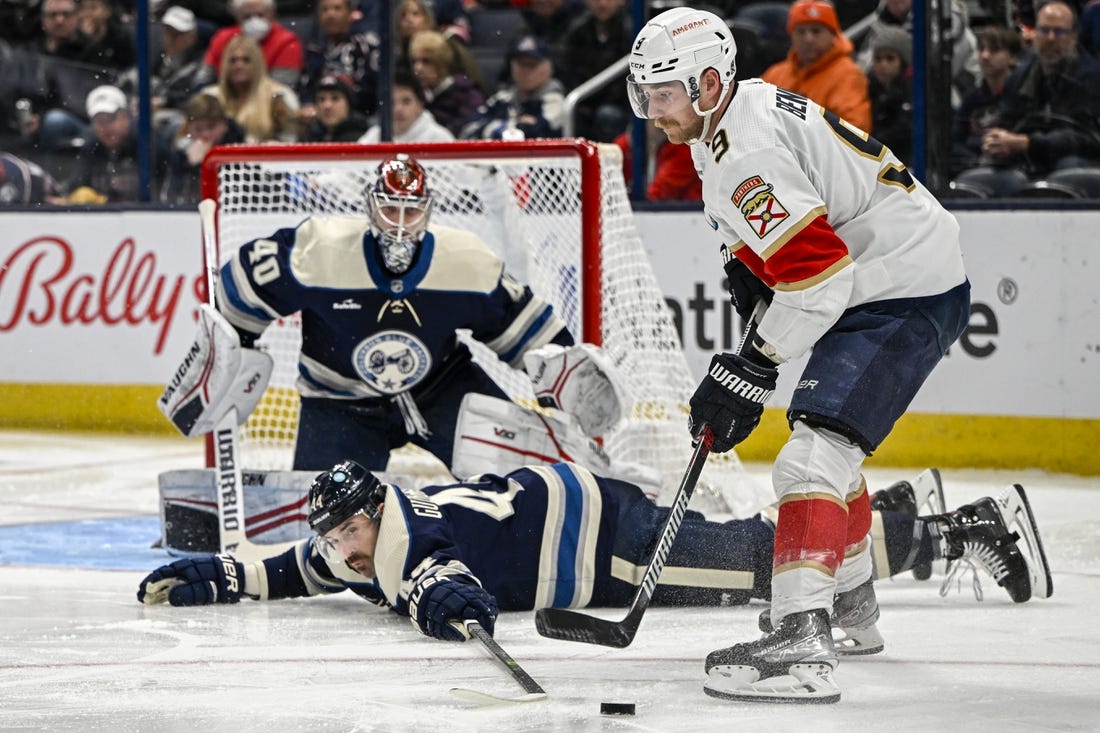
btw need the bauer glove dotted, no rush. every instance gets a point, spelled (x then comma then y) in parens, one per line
(439, 600)
(730, 399)
(194, 582)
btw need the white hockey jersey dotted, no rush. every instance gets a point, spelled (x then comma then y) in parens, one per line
(822, 212)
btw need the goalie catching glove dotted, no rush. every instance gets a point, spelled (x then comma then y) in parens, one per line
(216, 375)
(194, 582)
(441, 601)
(579, 380)
(730, 399)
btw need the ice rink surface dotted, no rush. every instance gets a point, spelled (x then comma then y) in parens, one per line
(78, 652)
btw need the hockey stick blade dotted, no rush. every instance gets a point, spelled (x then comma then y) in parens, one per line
(484, 698)
(561, 623)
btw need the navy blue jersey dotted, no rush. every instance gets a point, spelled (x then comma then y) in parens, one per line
(546, 536)
(367, 333)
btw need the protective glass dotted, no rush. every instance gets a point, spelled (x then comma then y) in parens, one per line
(652, 101)
(400, 222)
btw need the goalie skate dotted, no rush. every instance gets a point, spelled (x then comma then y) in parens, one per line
(793, 664)
(854, 619)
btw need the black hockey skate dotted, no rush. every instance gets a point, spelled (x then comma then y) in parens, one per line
(793, 664)
(1001, 537)
(923, 496)
(855, 613)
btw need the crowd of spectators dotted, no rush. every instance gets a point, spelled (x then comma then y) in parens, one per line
(1025, 92)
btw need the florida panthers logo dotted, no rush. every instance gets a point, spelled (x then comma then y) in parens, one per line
(391, 361)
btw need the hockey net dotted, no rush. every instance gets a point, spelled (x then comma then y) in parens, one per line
(556, 211)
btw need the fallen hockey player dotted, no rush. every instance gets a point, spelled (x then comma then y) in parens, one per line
(560, 536)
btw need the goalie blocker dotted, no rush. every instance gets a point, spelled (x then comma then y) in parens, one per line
(215, 376)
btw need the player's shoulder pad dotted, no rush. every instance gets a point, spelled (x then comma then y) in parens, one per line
(329, 252)
(462, 261)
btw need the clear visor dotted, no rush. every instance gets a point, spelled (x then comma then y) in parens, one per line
(337, 543)
(653, 101)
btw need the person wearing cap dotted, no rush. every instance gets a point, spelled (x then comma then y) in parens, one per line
(531, 106)
(174, 74)
(412, 121)
(452, 96)
(819, 64)
(336, 121)
(889, 85)
(108, 163)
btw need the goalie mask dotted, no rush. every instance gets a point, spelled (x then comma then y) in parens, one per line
(669, 56)
(340, 493)
(400, 204)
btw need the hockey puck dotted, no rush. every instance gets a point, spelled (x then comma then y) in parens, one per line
(616, 708)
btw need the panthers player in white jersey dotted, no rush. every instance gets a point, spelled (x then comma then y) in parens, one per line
(381, 300)
(861, 265)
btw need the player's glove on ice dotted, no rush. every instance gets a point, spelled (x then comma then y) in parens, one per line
(730, 399)
(745, 288)
(194, 582)
(440, 599)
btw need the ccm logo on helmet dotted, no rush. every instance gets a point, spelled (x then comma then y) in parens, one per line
(690, 26)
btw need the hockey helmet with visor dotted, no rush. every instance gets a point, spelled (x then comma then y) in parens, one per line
(400, 206)
(337, 495)
(669, 56)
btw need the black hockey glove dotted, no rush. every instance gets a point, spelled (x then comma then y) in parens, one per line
(745, 288)
(441, 599)
(730, 399)
(194, 582)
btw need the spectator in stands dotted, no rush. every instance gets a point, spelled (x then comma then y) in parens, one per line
(1090, 27)
(820, 66)
(964, 53)
(339, 49)
(336, 121)
(61, 36)
(20, 22)
(24, 182)
(205, 125)
(452, 97)
(412, 121)
(999, 50)
(550, 19)
(107, 164)
(267, 109)
(414, 16)
(674, 177)
(598, 38)
(111, 41)
(889, 86)
(173, 76)
(532, 104)
(1049, 116)
(282, 51)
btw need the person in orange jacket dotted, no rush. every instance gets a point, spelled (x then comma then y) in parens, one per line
(819, 64)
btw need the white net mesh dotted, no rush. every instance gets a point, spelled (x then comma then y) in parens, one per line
(526, 200)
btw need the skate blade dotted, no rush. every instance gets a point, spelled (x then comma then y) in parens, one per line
(804, 684)
(928, 491)
(1017, 515)
(851, 642)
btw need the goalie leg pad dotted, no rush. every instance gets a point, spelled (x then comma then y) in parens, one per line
(215, 376)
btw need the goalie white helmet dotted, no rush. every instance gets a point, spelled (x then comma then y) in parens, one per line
(676, 47)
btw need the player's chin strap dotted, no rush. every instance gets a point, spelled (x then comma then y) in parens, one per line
(415, 424)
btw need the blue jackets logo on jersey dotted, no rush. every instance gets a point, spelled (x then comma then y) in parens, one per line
(391, 361)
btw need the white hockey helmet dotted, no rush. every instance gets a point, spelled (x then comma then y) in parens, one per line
(678, 46)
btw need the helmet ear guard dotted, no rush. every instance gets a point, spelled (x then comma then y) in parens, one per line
(341, 492)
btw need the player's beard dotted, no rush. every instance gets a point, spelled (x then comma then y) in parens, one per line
(679, 133)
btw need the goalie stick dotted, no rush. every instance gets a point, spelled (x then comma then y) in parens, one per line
(532, 690)
(569, 625)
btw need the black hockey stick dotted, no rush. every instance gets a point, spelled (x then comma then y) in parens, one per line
(569, 625)
(533, 691)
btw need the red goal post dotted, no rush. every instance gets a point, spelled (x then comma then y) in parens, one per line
(556, 211)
